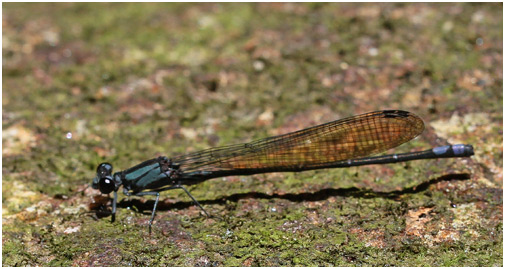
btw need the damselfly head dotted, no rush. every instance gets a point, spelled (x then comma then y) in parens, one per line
(106, 185)
(104, 169)
(103, 180)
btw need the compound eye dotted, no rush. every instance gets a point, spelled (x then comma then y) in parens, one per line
(106, 185)
(104, 170)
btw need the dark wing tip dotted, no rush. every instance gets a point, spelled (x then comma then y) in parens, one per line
(396, 114)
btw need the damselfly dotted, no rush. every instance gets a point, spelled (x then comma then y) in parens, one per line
(341, 143)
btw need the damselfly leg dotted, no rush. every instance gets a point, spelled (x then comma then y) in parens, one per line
(114, 203)
(157, 194)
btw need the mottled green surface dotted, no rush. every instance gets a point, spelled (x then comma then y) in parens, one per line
(135, 81)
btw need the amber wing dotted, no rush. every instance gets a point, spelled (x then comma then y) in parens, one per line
(311, 148)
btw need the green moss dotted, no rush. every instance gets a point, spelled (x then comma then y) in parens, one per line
(131, 81)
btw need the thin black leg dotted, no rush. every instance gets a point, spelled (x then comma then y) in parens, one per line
(187, 192)
(114, 205)
(154, 211)
(194, 200)
(157, 193)
(155, 204)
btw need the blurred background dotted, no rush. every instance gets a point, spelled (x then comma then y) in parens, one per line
(86, 83)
